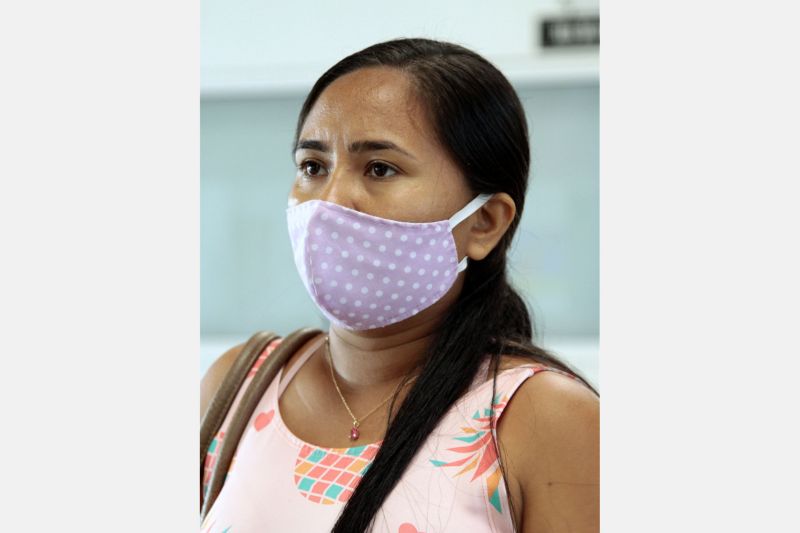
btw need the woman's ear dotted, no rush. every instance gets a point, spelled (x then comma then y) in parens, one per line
(488, 225)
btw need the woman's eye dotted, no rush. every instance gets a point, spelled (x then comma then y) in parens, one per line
(381, 170)
(377, 169)
(310, 168)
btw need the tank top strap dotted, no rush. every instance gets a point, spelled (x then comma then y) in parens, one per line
(534, 368)
(284, 380)
(520, 373)
(482, 405)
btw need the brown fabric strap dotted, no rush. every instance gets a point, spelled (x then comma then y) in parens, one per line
(226, 393)
(255, 391)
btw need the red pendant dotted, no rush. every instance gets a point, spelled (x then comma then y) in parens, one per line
(354, 434)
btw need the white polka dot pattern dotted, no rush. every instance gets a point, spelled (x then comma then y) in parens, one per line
(346, 257)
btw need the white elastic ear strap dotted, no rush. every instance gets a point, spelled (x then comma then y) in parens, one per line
(463, 213)
(468, 209)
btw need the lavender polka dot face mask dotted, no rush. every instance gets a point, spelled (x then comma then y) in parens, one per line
(366, 272)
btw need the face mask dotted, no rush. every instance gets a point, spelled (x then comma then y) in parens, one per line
(366, 272)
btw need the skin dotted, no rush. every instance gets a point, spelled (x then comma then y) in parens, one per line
(549, 430)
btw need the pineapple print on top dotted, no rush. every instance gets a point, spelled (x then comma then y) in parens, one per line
(328, 475)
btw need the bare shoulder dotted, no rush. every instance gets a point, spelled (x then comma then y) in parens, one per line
(546, 405)
(550, 432)
(553, 402)
(215, 375)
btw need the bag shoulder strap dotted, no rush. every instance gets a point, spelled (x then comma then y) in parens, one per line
(225, 396)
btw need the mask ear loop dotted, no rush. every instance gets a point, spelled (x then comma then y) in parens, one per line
(463, 213)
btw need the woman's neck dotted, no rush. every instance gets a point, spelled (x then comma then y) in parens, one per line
(364, 362)
(376, 359)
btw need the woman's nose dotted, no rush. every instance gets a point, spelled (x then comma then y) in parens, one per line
(340, 188)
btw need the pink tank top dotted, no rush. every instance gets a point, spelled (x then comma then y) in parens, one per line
(277, 482)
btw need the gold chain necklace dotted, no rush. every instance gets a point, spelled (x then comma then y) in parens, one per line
(354, 432)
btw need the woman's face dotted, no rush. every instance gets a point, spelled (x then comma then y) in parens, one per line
(368, 145)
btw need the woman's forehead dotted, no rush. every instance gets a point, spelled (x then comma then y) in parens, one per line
(368, 101)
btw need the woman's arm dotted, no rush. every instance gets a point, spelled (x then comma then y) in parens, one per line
(214, 376)
(550, 433)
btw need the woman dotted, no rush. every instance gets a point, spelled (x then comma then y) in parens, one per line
(415, 411)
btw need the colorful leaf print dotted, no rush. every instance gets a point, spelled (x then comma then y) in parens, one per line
(479, 454)
(328, 475)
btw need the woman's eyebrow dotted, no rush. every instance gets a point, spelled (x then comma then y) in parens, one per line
(355, 147)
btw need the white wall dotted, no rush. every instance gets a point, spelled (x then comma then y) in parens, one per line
(249, 45)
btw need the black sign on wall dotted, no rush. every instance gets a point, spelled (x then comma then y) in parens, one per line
(567, 32)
